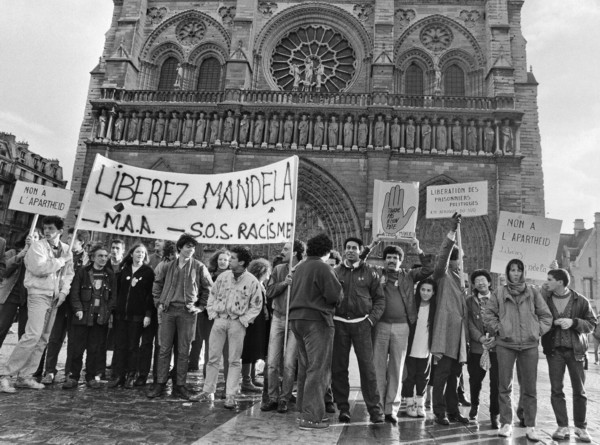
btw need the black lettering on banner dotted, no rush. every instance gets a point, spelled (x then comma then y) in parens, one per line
(154, 192)
(212, 191)
(126, 224)
(114, 184)
(264, 186)
(137, 192)
(265, 231)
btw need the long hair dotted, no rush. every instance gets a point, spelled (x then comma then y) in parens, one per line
(128, 260)
(213, 261)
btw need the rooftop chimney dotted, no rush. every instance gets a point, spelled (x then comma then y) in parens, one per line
(580, 226)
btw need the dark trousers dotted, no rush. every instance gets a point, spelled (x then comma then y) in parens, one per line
(90, 339)
(476, 376)
(149, 343)
(359, 336)
(315, 342)
(8, 311)
(203, 327)
(445, 380)
(417, 376)
(175, 321)
(560, 359)
(128, 335)
(61, 326)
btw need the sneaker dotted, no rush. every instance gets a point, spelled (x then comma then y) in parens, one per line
(390, 418)
(308, 425)
(48, 379)
(583, 435)
(70, 383)
(30, 383)
(230, 402)
(561, 433)
(532, 434)
(93, 384)
(377, 418)
(270, 405)
(411, 411)
(330, 408)
(282, 407)
(344, 416)
(6, 386)
(420, 411)
(505, 430)
(205, 397)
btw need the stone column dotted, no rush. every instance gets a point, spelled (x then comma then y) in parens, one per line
(480, 125)
(294, 144)
(371, 127)
(517, 139)
(309, 143)
(497, 131)
(236, 130)
(386, 142)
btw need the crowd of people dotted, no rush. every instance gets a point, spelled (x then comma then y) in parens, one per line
(412, 329)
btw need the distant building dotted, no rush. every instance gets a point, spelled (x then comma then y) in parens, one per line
(17, 162)
(579, 253)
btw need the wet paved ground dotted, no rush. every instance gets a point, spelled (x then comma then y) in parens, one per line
(120, 416)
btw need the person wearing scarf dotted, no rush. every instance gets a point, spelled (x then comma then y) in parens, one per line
(518, 316)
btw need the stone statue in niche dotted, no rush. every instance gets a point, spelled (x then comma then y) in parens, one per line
(472, 136)
(395, 133)
(288, 130)
(308, 74)
(303, 131)
(178, 85)
(363, 132)
(102, 125)
(507, 137)
(259, 127)
(119, 125)
(173, 127)
(159, 129)
(214, 128)
(188, 128)
(457, 136)
(297, 77)
(333, 132)
(410, 135)
(379, 132)
(348, 131)
(320, 74)
(146, 127)
(274, 130)
(200, 128)
(132, 130)
(244, 127)
(488, 137)
(228, 127)
(318, 131)
(426, 135)
(442, 134)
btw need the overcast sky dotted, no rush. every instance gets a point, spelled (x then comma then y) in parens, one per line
(49, 47)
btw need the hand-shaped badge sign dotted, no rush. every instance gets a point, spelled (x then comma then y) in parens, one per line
(395, 206)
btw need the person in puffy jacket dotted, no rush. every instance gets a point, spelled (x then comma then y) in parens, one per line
(518, 316)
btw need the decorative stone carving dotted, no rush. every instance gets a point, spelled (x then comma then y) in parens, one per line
(348, 132)
(379, 132)
(507, 137)
(457, 136)
(472, 136)
(267, 8)
(303, 131)
(146, 127)
(426, 135)
(132, 130)
(274, 129)
(155, 15)
(188, 127)
(159, 130)
(318, 132)
(469, 17)
(173, 127)
(228, 127)
(405, 16)
(395, 133)
(200, 128)
(488, 137)
(259, 127)
(190, 32)
(102, 120)
(410, 135)
(288, 130)
(363, 132)
(317, 56)
(363, 11)
(441, 135)
(436, 37)
(214, 128)
(244, 127)
(333, 132)
(119, 125)
(227, 14)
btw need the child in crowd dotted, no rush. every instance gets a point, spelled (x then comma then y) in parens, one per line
(418, 358)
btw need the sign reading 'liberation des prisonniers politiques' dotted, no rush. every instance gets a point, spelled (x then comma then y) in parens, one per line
(248, 207)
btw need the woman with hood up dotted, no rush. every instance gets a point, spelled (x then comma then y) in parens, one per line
(519, 316)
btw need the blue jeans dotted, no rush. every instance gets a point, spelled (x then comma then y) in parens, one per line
(175, 320)
(315, 343)
(557, 361)
(274, 361)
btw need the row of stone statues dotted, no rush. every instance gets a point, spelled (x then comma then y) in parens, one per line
(305, 132)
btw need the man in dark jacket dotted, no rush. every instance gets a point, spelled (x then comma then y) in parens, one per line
(314, 293)
(354, 318)
(93, 298)
(565, 345)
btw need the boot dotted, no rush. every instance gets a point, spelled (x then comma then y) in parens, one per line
(420, 404)
(247, 385)
(411, 408)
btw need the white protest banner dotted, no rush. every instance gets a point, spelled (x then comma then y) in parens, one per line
(468, 199)
(40, 199)
(395, 209)
(247, 207)
(531, 239)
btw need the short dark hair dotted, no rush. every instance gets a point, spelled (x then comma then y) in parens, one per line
(299, 248)
(117, 241)
(95, 248)
(481, 273)
(319, 245)
(393, 250)
(81, 235)
(454, 255)
(335, 255)
(560, 275)
(184, 239)
(243, 254)
(53, 220)
(259, 268)
(168, 249)
(353, 239)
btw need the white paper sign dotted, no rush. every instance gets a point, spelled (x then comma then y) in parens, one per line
(247, 207)
(468, 199)
(41, 199)
(395, 209)
(531, 239)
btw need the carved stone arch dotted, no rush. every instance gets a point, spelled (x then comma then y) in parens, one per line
(331, 202)
(165, 50)
(459, 57)
(423, 58)
(174, 20)
(205, 50)
(317, 14)
(477, 233)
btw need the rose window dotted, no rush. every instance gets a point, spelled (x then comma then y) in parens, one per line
(313, 58)
(190, 32)
(436, 37)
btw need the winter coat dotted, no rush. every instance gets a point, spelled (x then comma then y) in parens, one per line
(134, 293)
(10, 279)
(363, 294)
(239, 298)
(196, 283)
(82, 295)
(477, 328)
(46, 274)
